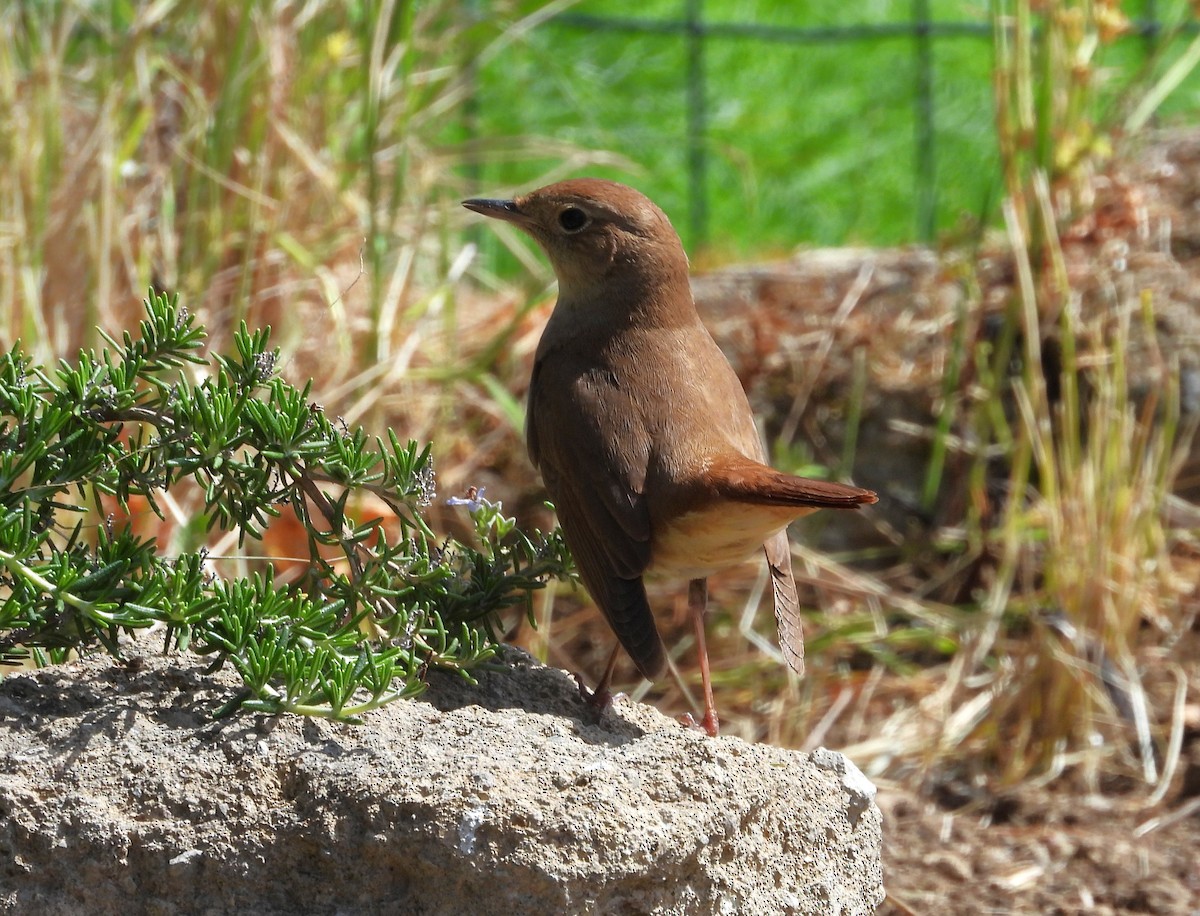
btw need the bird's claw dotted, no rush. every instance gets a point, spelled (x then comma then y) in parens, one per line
(599, 699)
(709, 724)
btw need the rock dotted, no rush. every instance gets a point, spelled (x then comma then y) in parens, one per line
(860, 790)
(118, 794)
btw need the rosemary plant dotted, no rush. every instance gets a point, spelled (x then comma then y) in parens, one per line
(378, 603)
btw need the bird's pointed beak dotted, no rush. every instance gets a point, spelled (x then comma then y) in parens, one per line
(506, 210)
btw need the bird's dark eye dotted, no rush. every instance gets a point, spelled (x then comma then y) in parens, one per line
(572, 219)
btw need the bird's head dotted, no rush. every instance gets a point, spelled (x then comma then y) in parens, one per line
(598, 235)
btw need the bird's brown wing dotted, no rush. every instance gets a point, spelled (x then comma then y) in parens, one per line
(587, 439)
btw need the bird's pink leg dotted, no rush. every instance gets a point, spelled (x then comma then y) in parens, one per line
(697, 605)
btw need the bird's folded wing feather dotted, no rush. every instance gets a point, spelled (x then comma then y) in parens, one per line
(588, 442)
(787, 602)
(745, 480)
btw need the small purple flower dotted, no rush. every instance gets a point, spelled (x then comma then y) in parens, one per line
(474, 500)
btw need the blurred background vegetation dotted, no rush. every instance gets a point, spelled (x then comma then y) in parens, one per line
(300, 164)
(819, 123)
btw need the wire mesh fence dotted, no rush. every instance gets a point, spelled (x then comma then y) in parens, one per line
(702, 30)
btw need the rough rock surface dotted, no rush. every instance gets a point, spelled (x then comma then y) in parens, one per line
(118, 794)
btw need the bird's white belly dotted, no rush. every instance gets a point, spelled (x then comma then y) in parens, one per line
(697, 544)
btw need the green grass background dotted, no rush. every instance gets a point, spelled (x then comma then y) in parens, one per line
(810, 143)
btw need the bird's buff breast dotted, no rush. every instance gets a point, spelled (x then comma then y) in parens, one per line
(698, 543)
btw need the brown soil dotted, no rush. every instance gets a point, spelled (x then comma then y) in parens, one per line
(1041, 850)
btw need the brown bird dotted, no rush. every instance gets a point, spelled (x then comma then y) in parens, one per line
(641, 429)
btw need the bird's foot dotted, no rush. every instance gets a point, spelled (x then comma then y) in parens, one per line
(599, 699)
(710, 725)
